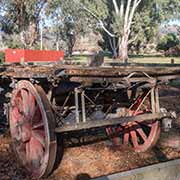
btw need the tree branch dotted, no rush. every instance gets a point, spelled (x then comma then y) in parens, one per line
(135, 5)
(116, 7)
(99, 20)
(132, 40)
(138, 2)
(110, 42)
(122, 8)
(127, 12)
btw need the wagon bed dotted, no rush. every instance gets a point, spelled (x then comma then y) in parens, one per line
(40, 71)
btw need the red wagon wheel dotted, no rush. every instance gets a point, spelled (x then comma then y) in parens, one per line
(32, 127)
(140, 136)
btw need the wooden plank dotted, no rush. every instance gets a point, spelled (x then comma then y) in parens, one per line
(79, 71)
(108, 122)
(146, 172)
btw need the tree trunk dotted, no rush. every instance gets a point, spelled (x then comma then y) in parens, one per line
(71, 43)
(30, 35)
(114, 46)
(123, 49)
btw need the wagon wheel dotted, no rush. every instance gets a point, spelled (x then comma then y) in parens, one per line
(32, 127)
(141, 136)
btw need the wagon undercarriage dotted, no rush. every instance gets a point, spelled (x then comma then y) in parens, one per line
(121, 102)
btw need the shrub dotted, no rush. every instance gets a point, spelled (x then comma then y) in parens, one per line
(168, 41)
(2, 57)
(174, 51)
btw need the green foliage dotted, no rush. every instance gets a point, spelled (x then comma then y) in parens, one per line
(60, 10)
(168, 41)
(2, 57)
(100, 7)
(168, 9)
(69, 21)
(21, 17)
(17, 15)
(12, 41)
(144, 27)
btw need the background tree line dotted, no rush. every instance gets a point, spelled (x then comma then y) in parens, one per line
(123, 24)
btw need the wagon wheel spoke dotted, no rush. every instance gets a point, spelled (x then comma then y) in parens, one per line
(38, 126)
(34, 152)
(39, 135)
(28, 156)
(36, 117)
(142, 134)
(126, 139)
(111, 132)
(31, 102)
(134, 138)
(18, 106)
(15, 116)
(25, 102)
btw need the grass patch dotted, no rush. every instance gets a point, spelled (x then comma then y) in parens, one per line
(149, 59)
(156, 60)
(78, 58)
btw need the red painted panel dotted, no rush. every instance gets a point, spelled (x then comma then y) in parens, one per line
(14, 55)
(21, 55)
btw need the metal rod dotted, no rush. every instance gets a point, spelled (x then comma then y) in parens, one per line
(66, 100)
(83, 106)
(157, 99)
(89, 99)
(153, 100)
(77, 105)
(142, 102)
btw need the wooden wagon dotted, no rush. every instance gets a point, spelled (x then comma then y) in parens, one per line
(55, 101)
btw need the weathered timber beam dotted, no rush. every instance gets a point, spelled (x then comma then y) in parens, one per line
(110, 122)
(121, 71)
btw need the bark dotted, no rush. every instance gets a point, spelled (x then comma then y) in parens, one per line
(122, 8)
(71, 43)
(30, 35)
(128, 19)
(123, 49)
(115, 6)
(114, 46)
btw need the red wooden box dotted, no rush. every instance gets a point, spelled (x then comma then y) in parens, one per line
(22, 55)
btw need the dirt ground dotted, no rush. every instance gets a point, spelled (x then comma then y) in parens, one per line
(81, 163)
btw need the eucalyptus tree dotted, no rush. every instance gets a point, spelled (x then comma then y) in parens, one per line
(68, 21)
(22, 17)
(129, 21)
(117, 22)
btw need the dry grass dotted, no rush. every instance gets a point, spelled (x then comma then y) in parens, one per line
(158, 60)
(136, 59)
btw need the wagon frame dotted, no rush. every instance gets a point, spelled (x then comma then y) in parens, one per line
(121, 100)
